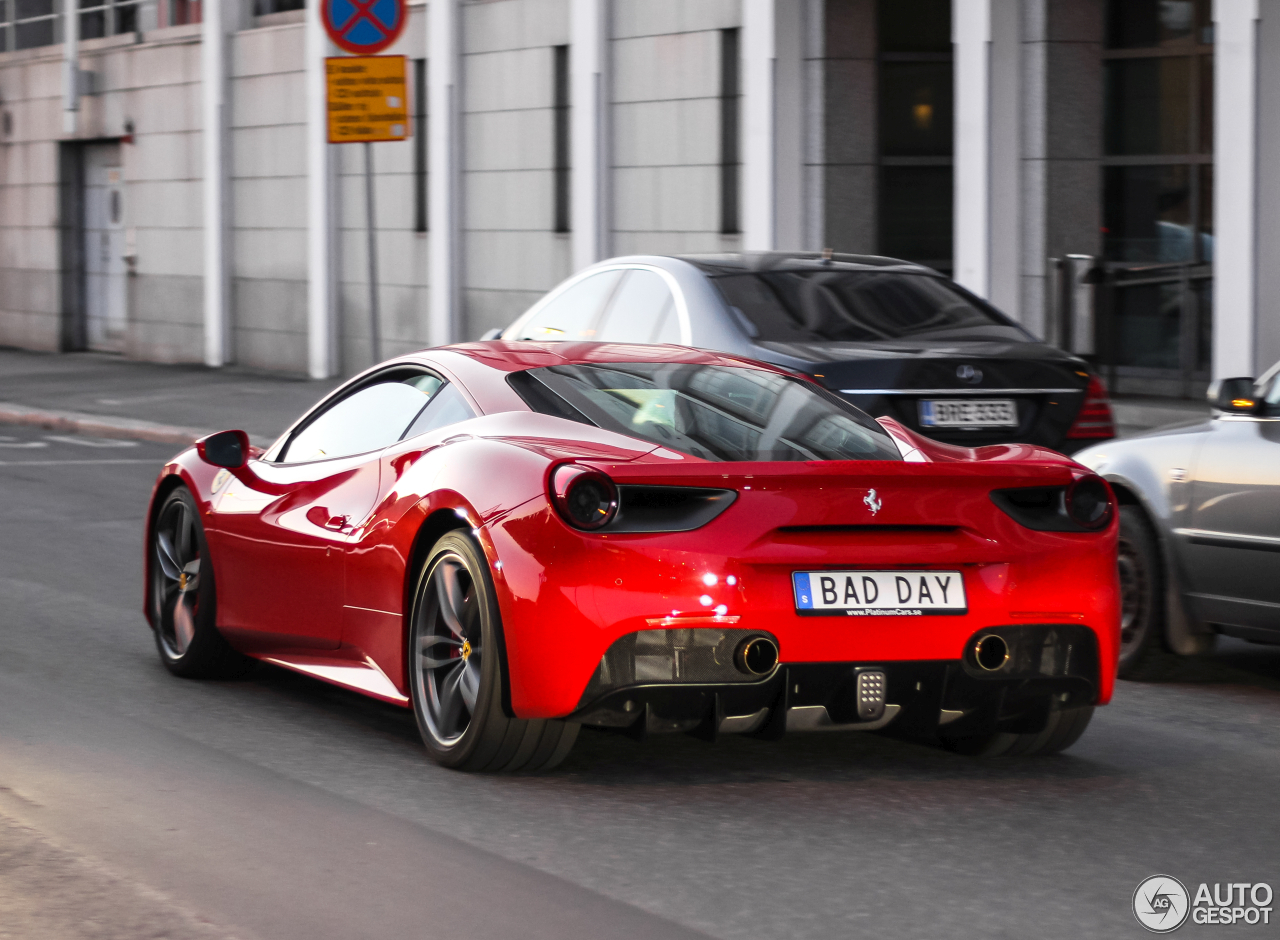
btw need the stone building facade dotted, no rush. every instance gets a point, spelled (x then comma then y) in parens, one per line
(166, 191)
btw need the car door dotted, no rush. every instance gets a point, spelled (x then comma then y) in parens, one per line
(641, 310)
(1233, 546)
(281, 529)
(374, 596)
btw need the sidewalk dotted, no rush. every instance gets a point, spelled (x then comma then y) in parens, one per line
(107, 396)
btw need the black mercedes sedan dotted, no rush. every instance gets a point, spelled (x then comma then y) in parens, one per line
(893, 337)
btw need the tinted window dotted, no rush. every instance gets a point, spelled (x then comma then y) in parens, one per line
(1269, 389)
(713, 412)
(639, 310)
(862, 306)
(367, 420)
(572, 315)
(448, 407)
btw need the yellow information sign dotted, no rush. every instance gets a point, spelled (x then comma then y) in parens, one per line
(366, 98)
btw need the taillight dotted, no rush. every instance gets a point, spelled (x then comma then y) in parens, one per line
(1084, 505)
(585, 498)
(1088, 503)
(1094, 420)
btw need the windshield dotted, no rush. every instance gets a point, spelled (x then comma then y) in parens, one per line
(712, 412)
(862, 306)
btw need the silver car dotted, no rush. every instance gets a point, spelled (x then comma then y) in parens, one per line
(1199, 526)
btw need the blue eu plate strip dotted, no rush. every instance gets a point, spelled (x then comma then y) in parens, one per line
(800, 579)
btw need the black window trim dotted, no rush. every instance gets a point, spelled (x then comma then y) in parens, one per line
(341, 395)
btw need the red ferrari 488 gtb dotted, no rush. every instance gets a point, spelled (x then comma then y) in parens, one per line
(517, 539)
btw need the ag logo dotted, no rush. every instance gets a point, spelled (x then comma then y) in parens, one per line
(872, 502)
(1161, 903)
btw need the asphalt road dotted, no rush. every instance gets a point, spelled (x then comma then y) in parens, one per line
(134, 804)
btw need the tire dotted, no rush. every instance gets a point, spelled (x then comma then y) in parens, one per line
(1143, 653)
(182, 596)
(456, 671)
(1063, 729)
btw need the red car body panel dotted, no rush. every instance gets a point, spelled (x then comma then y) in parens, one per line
(312, 562)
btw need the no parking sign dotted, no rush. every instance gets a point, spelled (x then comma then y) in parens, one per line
(363, 27)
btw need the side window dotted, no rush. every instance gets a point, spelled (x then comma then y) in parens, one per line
(668, 330)
(448, 407)
(1271, 395)
(640, 311)
(367, 420)
(573, 313)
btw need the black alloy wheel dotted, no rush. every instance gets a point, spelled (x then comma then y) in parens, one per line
(456, 670)
(1142, 646)
(183, 599)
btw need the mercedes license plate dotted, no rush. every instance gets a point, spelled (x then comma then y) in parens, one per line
(986, 413)
(879, 593)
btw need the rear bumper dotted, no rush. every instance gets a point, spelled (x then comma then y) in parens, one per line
(567, 597)
(1050, 666)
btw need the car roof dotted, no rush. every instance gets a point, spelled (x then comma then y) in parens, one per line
(743, 261)
(518, 355)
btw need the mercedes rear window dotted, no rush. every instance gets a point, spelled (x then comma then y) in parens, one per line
(862, 306)
(709, 411)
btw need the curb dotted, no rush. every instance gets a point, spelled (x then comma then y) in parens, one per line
(99, 425)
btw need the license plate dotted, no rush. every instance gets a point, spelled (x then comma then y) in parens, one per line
(879, 593)
(988, 413)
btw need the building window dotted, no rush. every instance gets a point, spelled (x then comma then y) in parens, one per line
(560, 133)
(178, 12)
(914, 71)
(25, 24)
(100, 18)
(419, 145)
(730, 111)
(1158, 179)
(265, 7)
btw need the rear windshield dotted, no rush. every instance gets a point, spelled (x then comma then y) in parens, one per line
(861, 306)
(712, 412)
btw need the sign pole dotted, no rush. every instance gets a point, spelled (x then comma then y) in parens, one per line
(375, 333)
(366, 101)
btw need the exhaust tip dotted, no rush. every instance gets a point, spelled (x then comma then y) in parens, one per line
(991, 652)
(756, 655)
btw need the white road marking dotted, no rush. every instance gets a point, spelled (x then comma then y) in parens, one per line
(90, 441)
(13, 442)
(63, 463)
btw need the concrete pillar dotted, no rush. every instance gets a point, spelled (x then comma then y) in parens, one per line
(70, 67)
(773, 118)
(322, 275)
(1267, 242)
(1235, 253)
(971, 227)
(589, 195)
(815, 138)
(1004, 239)
(444, 160)
(850, 154)
(758, 55)
(218, 19)
(1061, 141)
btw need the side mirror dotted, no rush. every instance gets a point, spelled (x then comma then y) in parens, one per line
(1233, 396)
(228, 449)
(495, 333)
